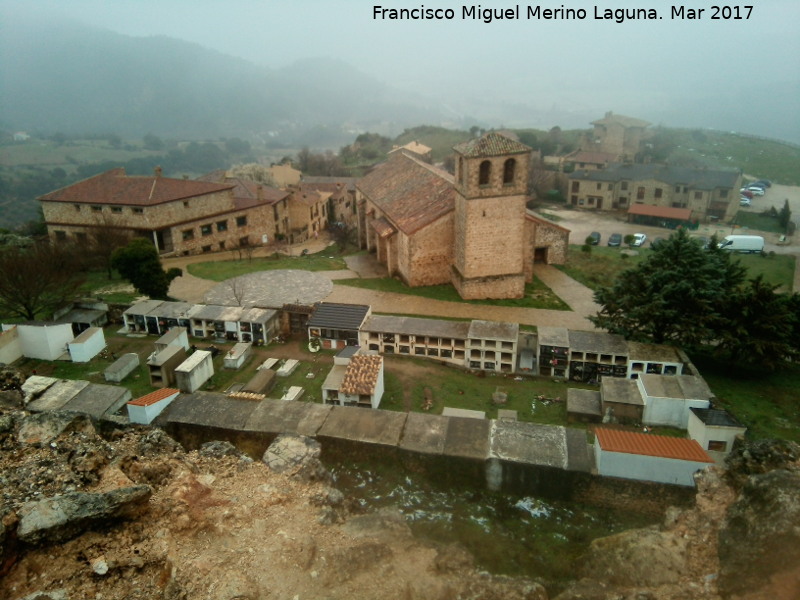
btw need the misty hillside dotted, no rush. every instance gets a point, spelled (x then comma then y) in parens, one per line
(75, 79)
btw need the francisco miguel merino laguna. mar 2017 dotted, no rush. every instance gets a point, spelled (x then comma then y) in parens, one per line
(562, 13)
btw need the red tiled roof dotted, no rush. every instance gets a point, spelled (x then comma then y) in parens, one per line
(647, 444)
(410, 192)
(490, 144)
(382, 227)
(154, 397)
(361, 375)
(246, 193)
(664, 212)
(115, 187)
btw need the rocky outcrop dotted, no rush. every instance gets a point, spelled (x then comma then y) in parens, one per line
(297, 456)
(759, 545)
(62, 517)
(43, 428)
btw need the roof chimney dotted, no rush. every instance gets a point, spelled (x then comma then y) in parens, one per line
(260, 193)
(157, 171)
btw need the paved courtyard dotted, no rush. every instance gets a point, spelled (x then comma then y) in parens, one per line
(271, 288)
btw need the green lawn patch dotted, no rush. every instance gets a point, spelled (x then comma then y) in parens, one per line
(767, 404)
(601, 266)
(758, 221)
(226, 269)
(537, 294)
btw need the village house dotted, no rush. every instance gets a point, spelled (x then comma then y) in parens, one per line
(180, 216)
(471, 230)
(683, 194)
(272, 202)
(342, 206)
(618, 137)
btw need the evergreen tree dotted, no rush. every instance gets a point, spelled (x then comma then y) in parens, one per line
(139, 263)
(759, 325)
(678, 294)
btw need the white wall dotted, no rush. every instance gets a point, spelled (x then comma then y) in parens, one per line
(144, 415)
(378, 393)
(670, 412)
(45, 342)
(87, 345)
(646, 468)
(704, 434)
(192, 373)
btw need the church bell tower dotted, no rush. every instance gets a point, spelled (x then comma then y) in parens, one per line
(491, 184)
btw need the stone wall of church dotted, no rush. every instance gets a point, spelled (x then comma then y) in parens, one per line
(430, 253)
(489, 241)
(554, 241)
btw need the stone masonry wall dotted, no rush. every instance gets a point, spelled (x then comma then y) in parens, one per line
(430, 252)
(489, 241)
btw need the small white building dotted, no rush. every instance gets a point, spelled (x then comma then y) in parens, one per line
(177, 336)
(668, 398)
(45, 341)
(192, 373)
(87, 345)
(715, 430)
(648, 457)
(146, 408)
(355, 380)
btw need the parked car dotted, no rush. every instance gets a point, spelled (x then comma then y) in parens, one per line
(656, 242)
(764, 182)
(593, 239)
(703, 241)
(746, 193)
(757, 191)
(615, 239)
(745, 201)
(638, 239)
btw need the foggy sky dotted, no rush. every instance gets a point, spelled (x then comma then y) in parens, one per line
(678, 72)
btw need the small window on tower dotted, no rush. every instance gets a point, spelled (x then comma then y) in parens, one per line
(508, 171)
(484, 173)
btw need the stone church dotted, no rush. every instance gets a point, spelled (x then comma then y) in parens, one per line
(472, 230)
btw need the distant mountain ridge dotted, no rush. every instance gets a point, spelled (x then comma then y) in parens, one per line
(77, 79)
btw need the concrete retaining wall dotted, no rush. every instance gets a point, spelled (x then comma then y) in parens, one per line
(515, 457)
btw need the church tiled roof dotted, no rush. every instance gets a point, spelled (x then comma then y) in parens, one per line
(490, 144)
(409, 192)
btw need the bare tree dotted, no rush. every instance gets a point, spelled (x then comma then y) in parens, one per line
(108, 235)
(238, 288)
(37, 280)
(243, 249)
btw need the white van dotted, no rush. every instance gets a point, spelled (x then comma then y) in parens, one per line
(742, 243)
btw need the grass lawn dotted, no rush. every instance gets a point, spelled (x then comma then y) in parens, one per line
(113, 291)
(601, 267)
(225, 269)
(757, 221)
(537, 295)
(768, 405)
(757, 157)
